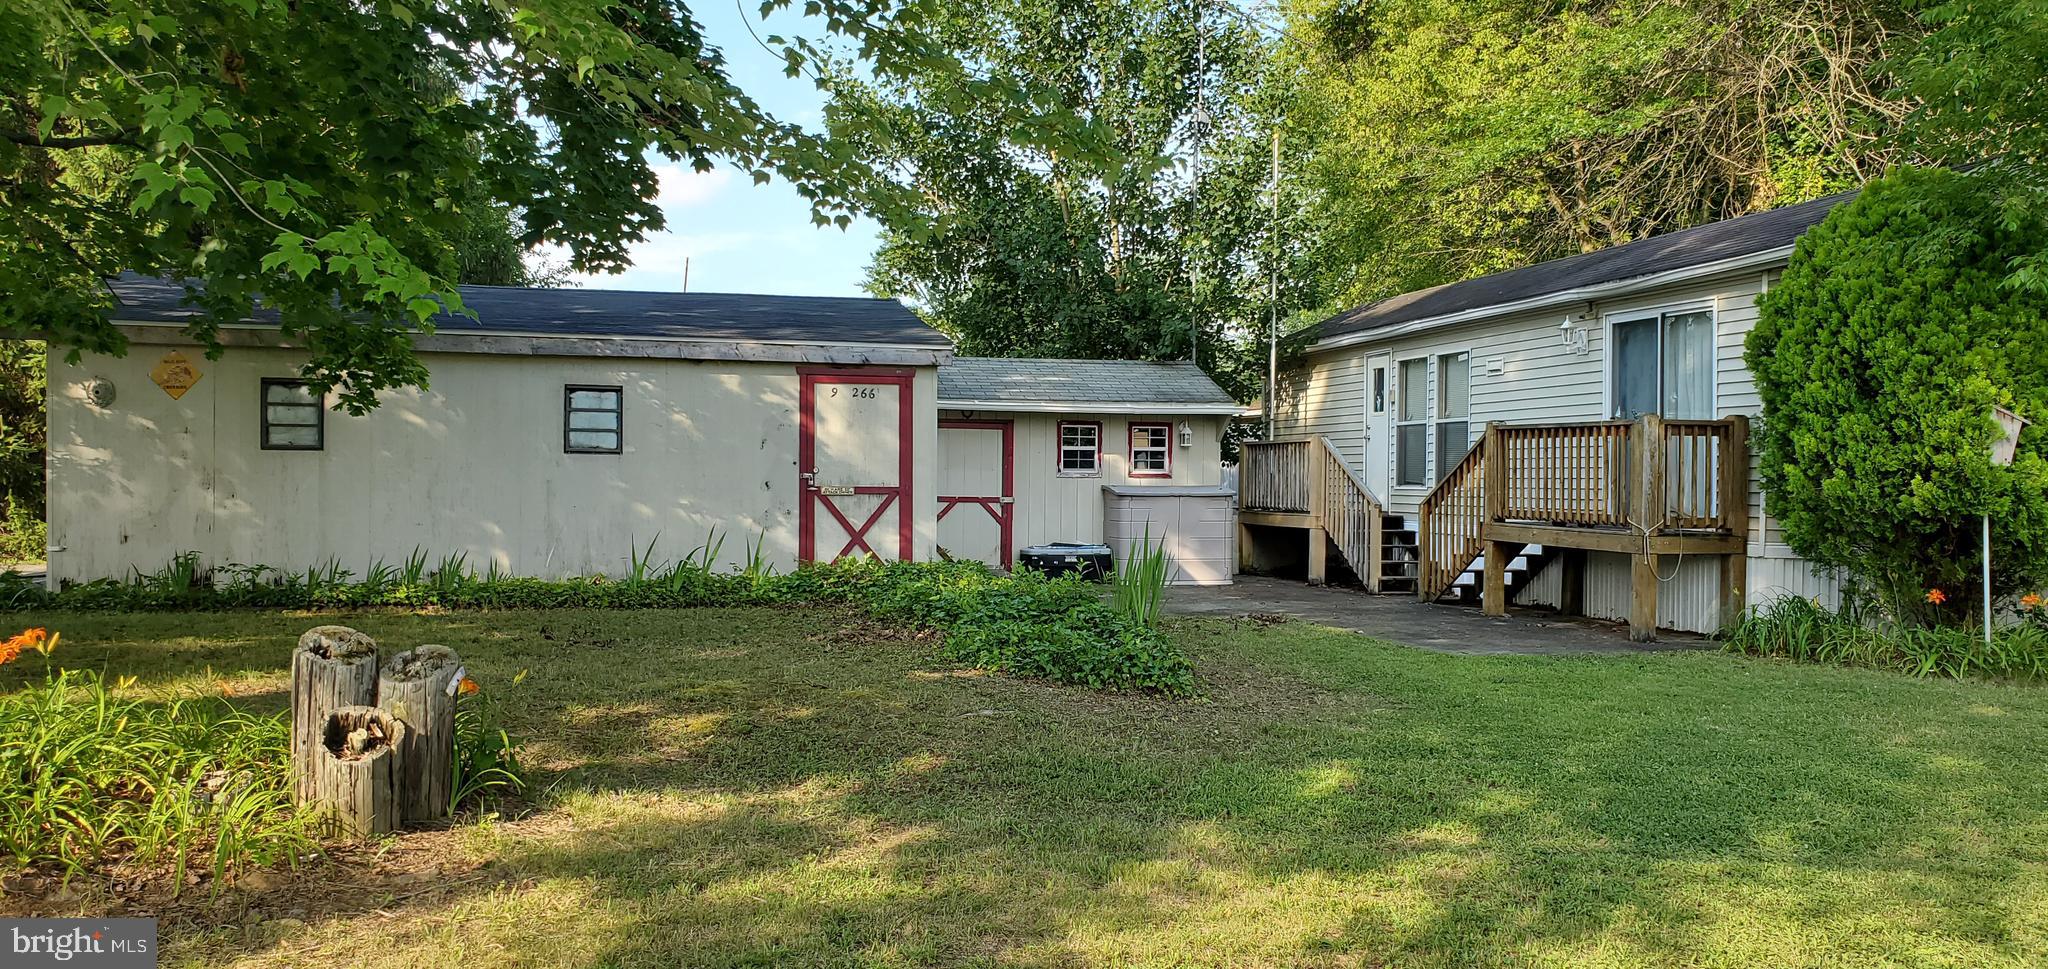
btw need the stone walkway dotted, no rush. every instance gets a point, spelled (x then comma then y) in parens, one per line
(1404, 619)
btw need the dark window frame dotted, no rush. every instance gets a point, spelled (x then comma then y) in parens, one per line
(1165, 448)
(1059, 451)
(569, 407)
(263, 405)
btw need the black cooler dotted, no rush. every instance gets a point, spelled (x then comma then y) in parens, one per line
(1093, 562)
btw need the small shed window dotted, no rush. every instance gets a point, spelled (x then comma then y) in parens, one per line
(294, 418)
(1151, 451)
(1080, 448)
(592, 419)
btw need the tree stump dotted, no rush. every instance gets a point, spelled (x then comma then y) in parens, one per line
(418, 687)
(333, 667)
(356, 778)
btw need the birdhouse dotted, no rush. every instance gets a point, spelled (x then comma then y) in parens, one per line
(2008, 442)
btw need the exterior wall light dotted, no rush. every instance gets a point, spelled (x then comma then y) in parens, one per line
(1187, 434)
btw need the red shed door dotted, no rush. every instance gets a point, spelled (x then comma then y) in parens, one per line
(853, 464)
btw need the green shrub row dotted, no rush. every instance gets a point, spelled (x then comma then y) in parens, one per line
(1803, 630)
(1026, 624)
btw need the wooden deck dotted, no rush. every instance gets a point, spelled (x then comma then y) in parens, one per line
(1645, 488)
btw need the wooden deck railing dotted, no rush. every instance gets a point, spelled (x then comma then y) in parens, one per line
(1350, 514)
(1452, 516)
(1310, 478)
(1274, 476)
(1586, 475)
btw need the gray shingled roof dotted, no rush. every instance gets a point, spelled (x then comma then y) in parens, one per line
(830, 320)
(1713, 242)
(1042, 381)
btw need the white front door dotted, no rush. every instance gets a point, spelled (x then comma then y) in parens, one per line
(1379, 425)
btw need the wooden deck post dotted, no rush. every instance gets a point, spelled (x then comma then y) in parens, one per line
(1735, 511)
(1318, 555)
(1495, 485)
(1493, 599)
(1422, 550)
(1642, 609)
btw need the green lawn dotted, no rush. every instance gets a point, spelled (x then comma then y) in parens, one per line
(763, 787)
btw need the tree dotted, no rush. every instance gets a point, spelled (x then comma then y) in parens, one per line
(1447, 140)
(325, 154)
(1878, 357)
(1975, 81)
(1049, 251)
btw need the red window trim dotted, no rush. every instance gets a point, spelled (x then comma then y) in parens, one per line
(1059, 449)
(1131, 442)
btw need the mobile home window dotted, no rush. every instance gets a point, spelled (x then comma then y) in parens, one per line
(1411, 435)
(1664, 364)
(593, 419)
(1453, 404)
(293, 416)
(1080, 448)
(1151, 457)
(1379, 389)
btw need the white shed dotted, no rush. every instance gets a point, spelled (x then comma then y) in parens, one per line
(565, 429)
(1031, 444)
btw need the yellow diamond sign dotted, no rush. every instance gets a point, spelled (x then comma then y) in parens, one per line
(174, 374)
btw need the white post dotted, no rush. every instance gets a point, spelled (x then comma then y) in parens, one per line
(1987, 579)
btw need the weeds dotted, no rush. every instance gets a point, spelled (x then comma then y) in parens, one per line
(98, 779)
(1804, 631)
(1140, 582)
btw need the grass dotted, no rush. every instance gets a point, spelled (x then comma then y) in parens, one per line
(794, 787)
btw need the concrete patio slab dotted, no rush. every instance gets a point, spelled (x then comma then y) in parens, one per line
(1404, 619)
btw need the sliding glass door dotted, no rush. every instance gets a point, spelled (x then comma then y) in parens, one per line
(1664, 364)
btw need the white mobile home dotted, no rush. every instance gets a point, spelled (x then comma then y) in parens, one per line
(1506, 417)
(561, 429)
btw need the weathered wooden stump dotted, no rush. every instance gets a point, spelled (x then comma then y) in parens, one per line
(418, 687)
(356, 778)
(333, 667)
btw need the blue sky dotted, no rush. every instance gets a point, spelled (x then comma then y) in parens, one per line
(741, 237)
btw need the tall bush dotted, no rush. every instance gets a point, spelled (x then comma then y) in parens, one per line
(1878, 357)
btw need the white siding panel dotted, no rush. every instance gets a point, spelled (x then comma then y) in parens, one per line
(1325, 396)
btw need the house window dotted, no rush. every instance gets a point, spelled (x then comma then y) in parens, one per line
(593, 419)
(1151, 454)
(1664, 364)
(1453, 404)
(1080, 448)
(1379, 389)
(1411, 433)
(294, 418)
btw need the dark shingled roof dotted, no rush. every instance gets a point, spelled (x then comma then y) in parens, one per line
(1715, 241)
(830, 320)
(1027, 380)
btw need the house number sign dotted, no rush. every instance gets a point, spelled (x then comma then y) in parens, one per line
(835, 490)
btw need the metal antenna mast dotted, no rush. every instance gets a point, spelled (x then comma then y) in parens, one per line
(1198, 128)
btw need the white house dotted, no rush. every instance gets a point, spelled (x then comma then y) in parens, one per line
(1579, 365)
(563, 428)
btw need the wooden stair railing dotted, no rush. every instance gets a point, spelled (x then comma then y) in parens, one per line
(1451, 526)
(1274, 476)
(1350, 514)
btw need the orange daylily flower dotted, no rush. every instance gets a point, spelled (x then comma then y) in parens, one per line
(469, 686)
(1937, 596)
(2030, 601)
(39, 639)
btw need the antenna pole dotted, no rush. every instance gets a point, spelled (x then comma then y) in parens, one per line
(686, 274)
(1273, 298)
